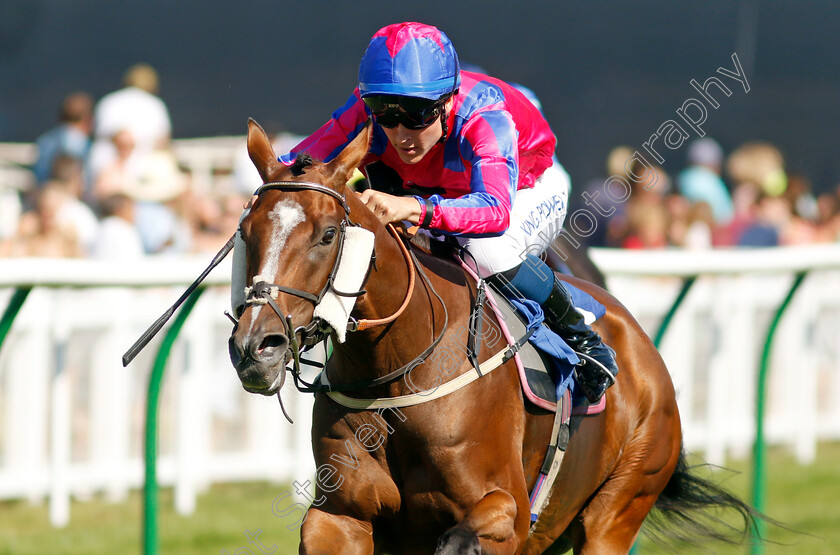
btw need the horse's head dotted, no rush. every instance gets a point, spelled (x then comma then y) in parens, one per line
(292, 237)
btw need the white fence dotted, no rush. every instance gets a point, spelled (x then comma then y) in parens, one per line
(713, 346)
(72, 418)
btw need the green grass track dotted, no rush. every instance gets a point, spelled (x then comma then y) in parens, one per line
(807, 499)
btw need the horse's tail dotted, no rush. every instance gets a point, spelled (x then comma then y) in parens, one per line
(682, 512)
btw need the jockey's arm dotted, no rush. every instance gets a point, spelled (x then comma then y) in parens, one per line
(390, 208)
(489, 149)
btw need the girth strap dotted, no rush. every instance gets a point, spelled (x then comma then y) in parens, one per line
(559, 441)
(416, 398)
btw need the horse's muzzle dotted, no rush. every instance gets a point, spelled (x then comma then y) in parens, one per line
(260, 361)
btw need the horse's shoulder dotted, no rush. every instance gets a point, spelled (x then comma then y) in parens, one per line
(443, 266)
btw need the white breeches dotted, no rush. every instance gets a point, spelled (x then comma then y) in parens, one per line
(536, 219)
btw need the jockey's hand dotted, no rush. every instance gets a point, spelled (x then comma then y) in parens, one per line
(390, 209)
(250, 202)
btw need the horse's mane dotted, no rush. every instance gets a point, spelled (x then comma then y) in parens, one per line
(302, 161)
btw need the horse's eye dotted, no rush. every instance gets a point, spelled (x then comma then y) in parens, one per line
(329, 236)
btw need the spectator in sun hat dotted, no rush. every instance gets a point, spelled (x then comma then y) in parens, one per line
(159, 191)
(761, 164)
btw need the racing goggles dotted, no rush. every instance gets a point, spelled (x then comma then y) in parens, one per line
(411, 113)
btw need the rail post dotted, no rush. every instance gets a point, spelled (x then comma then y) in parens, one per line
(150, 488)
(669, 316)
(759, 484)
(12, 309)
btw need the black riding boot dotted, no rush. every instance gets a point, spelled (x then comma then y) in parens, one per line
(597, 368)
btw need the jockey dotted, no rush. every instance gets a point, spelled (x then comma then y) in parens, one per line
(475, 161)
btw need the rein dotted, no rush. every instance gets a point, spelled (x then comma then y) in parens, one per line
(262, 292)
(409, 258)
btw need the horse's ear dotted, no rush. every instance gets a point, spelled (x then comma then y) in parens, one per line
(260, 151)
(343, 165)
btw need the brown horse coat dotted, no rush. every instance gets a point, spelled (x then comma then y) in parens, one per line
(452, 475)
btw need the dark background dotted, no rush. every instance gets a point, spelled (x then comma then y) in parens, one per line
(607, 72)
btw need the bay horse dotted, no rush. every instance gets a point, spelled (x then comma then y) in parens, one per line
(452, 475)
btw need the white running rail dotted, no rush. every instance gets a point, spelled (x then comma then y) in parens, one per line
(71, 417)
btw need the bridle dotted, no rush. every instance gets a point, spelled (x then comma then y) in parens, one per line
(262, 292)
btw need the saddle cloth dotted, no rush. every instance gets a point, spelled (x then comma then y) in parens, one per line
(545, 363)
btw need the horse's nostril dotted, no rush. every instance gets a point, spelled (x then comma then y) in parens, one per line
(272, 342)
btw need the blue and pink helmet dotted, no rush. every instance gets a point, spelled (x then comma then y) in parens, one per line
(409, 59)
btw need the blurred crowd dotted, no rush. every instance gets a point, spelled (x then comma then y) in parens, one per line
(743, 199)
(107, 185)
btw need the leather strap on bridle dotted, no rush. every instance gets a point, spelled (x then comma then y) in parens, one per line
(366, 324)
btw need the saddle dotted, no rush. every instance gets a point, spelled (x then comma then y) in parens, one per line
(545, 373)
(538, 385)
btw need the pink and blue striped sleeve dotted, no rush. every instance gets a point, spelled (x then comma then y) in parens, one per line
(488, 146)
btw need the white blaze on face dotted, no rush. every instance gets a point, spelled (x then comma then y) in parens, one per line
(285, 217)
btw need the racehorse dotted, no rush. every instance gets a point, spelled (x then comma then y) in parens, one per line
(451, 475)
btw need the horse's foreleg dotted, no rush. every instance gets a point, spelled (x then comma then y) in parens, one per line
(488, 528)
(324, 533)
